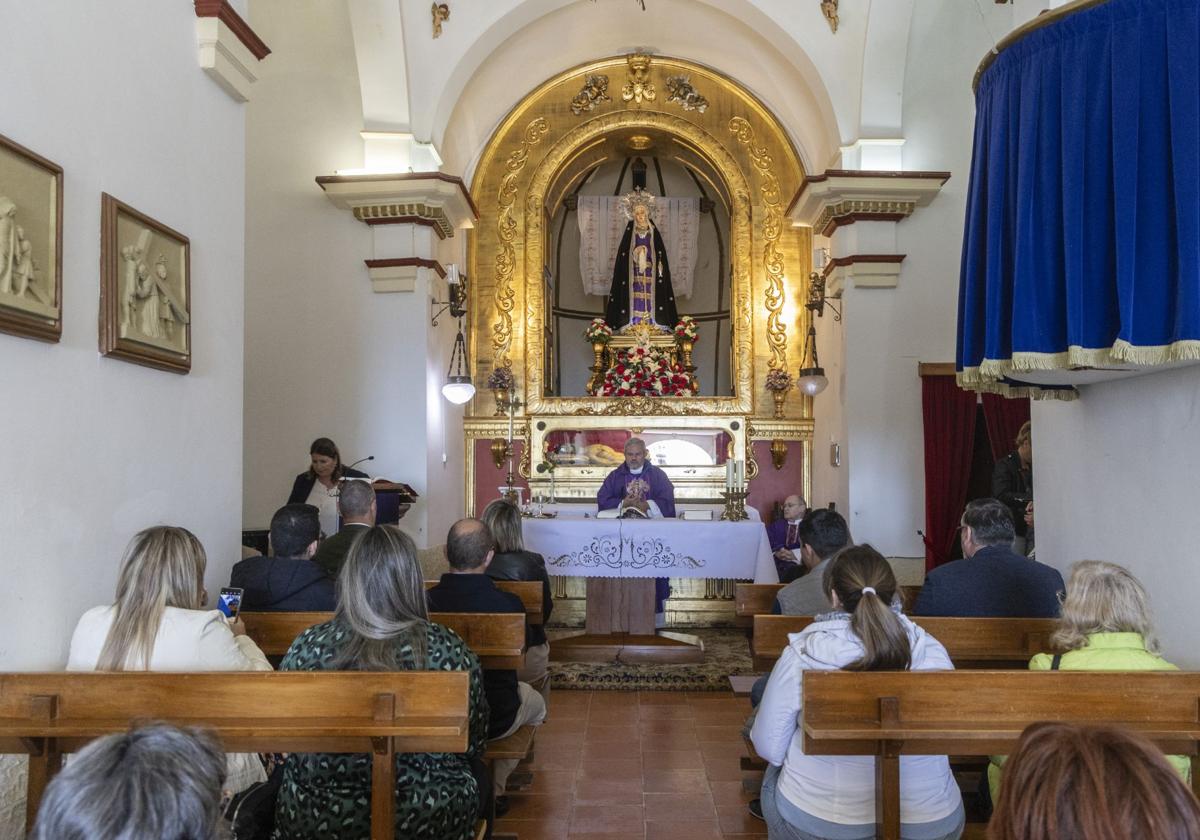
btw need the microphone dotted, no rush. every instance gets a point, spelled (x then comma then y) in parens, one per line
(359, 461)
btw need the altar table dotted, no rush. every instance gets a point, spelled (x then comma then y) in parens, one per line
(651, 548)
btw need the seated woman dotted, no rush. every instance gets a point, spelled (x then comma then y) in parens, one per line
(158, 623)
(1097, 782)
(809, 797)
(1104, 625)
(147, 784)
(513, 562)
(381, 624)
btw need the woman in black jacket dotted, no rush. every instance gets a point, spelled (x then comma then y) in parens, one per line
(513, 562)
(317, 486)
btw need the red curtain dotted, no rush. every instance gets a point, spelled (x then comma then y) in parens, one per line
(949, 414)
(1004, 418)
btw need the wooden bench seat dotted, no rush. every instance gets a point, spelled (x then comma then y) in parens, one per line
(978, 713)
(529, 591)
(498, 639)
(46, 715)
(971, 642)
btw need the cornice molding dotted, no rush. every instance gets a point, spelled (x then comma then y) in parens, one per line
(839, 197)
(228, 49)
(433, 198)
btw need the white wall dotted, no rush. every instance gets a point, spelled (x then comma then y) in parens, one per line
(325, 355)
(1115, 479)
(97, 449)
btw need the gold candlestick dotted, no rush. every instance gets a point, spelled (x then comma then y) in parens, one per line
(735, 506)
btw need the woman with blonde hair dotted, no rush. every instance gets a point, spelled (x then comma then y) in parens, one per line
(513, 562)
(811, 797)
(1105, 625)
(382, 624)
(158, 623)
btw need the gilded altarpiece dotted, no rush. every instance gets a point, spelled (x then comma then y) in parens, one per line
(540, 153)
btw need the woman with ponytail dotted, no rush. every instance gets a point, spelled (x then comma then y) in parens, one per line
(808, 797)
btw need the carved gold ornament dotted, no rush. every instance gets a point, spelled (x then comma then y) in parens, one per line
(639, 88)
(680, 91)
(640, 142)
(829, 8)
(778, 453)
(772, 229)
(440, 12)
(506, 228)
(593, 92)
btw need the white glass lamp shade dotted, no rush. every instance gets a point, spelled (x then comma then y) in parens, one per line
(458, 389)
(812, 380)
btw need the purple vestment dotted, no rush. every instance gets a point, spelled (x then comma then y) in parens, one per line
(777, 533)
(662, 492)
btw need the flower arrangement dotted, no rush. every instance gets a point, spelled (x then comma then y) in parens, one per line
(778, 379)
(645, 372)
(686, 330)
(501, 379)
(598, 332)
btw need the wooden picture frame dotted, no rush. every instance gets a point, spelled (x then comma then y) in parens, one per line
(31, 214)
(145, 289)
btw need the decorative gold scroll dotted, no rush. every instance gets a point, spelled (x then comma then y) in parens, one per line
(506, 229)
(772, 228)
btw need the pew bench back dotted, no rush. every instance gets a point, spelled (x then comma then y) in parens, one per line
(529, 591)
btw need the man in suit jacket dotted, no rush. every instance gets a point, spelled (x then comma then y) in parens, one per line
(993, 580)
(288, 581)
(356, 504)
(467, 588)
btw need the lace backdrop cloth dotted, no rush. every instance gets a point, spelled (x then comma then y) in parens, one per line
(601, 224)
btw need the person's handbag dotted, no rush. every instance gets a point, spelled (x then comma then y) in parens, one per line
(251, 812)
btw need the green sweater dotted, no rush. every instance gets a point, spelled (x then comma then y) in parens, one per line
(1103, 652)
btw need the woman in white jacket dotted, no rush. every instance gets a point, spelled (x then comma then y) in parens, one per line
(158, 623)
(807, 797)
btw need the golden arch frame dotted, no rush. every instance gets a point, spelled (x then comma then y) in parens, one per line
(745, 145)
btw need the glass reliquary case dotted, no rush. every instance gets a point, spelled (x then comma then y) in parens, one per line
(576, 453)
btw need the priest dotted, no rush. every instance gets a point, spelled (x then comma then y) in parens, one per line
(644, 488)
(637, 486)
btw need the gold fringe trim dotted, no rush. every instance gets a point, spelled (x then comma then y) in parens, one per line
(970, 380)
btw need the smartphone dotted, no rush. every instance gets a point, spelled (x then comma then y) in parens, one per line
(230, 601)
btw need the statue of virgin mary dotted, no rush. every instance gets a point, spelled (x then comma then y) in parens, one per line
(641, 290)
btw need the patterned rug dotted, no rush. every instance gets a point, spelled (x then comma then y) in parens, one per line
(726, 652)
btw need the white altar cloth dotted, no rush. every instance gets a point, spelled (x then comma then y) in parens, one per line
(652, 548)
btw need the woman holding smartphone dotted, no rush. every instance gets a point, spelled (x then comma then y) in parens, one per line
(158, 623)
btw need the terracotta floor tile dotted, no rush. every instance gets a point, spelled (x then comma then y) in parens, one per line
(662, 698)
(563, 726)
(691, 830)
(722, 770)
(547, 807)
(725, 732)
(666, 726)
(680, 807)
(613, 791)
(559, 782)
(534, 829)
(666, 712)
(673, 760)
(612, 768)
(607, 818)
(624, 734)
(729, 794)
(681, 740)
(552, 760)
(738, 821)
(603, 836)
(674, 781)
(733, 750)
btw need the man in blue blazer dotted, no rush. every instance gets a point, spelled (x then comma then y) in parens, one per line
(287, 581)
(992, 580)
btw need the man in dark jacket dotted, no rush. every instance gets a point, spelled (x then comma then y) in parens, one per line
(993, 580)
(356, 504)
(288, 581)
(467, 588)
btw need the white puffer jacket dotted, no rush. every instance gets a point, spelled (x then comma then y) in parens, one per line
(841, 789)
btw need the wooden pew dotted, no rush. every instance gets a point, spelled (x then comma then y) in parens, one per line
(971, 642)
(751, 599)
(892, 713)
(47, 715)
(529, 591)
(498, 639)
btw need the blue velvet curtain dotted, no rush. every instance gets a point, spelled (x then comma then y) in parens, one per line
(1082, 236)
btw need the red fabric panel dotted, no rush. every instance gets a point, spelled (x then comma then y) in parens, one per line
(772, 485)
(488, 478)
(949, 414)
(1004, 418)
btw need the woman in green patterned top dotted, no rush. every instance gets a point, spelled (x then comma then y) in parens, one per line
(382, 624)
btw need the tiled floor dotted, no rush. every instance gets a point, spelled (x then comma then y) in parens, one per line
(636, 766)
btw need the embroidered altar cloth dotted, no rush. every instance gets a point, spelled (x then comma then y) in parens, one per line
(573, 545)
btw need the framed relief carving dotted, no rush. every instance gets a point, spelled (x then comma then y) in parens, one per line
(145, 289)
(31, 196)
